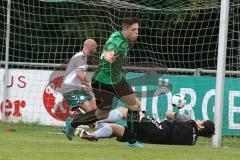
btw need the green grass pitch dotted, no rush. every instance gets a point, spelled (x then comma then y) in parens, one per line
(31, 142)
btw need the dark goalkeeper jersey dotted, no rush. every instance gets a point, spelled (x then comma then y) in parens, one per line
(183, 132)
(178, 132)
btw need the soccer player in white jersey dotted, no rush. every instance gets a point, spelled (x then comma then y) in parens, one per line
(76, 88)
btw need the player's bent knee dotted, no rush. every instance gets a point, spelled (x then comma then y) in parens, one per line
(134, 108)
(138, 104)
(101, 114)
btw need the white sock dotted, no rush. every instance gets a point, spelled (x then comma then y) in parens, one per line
(105, 131)
(114, 116)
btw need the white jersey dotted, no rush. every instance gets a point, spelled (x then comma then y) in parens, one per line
(71, 81)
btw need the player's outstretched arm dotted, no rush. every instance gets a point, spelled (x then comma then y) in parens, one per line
(170, 115)
(110, 56)
(81, 76)
(176, 116)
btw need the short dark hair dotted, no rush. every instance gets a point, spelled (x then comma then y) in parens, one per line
(129, 21)
(208, 130)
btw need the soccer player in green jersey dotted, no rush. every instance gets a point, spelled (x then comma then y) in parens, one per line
(108, 81)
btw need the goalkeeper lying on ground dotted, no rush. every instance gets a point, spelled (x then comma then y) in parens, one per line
(177, 129)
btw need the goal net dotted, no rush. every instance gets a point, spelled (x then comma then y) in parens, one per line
(176, 51)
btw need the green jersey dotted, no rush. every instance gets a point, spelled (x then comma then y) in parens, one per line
(110, 73)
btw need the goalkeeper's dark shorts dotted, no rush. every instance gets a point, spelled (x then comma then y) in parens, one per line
(104, 93)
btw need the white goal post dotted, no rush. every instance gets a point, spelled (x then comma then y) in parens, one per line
(222, 49)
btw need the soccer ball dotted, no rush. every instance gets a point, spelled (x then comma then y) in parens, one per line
(178, 100)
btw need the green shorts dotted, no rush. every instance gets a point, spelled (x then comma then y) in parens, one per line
(77, 97)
